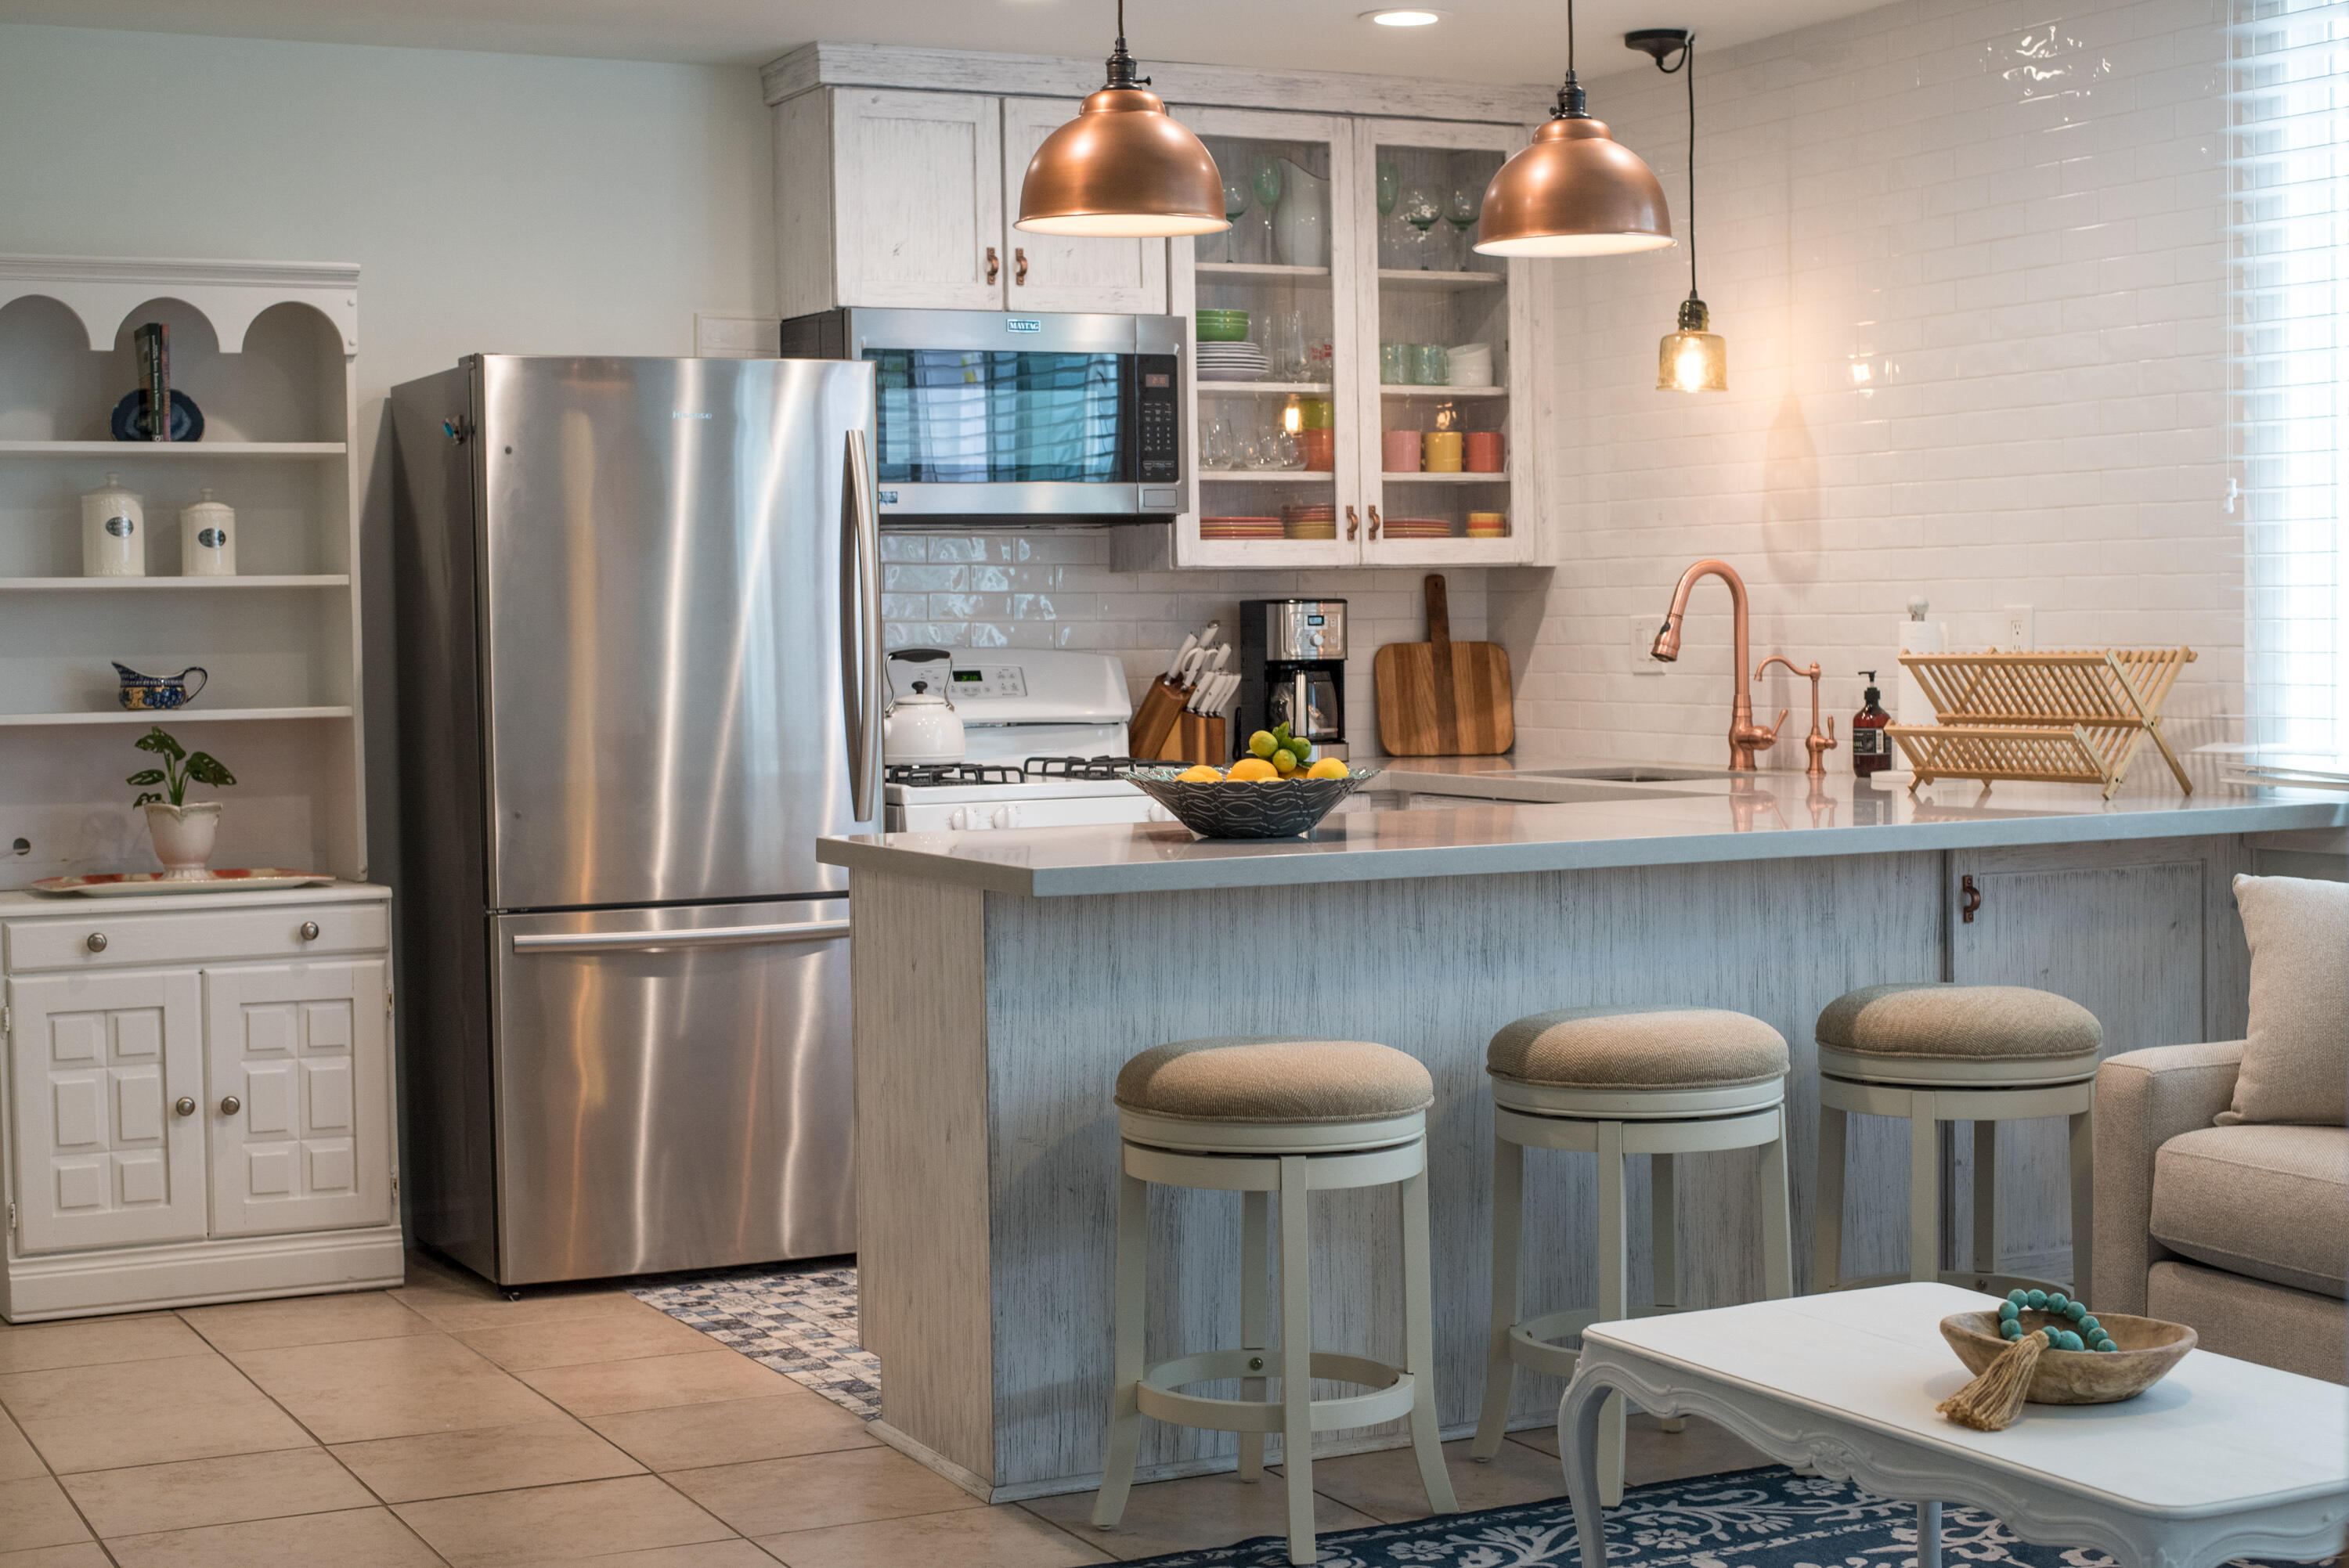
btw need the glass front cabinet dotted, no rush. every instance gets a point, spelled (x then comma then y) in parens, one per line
(1363, 379)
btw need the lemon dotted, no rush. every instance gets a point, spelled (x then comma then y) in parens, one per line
(1327, 767)
(1202, 774)
(1284, 761)
(1250, 770)
(1263, 744)
(1299, 747)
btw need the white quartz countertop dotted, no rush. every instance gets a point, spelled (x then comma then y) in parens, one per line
(1482, 823)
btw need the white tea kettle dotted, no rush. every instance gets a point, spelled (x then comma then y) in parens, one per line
(921, 725)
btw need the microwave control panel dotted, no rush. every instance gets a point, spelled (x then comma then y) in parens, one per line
(1160, 443)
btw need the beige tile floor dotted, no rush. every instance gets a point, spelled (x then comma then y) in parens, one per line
(439, 1424)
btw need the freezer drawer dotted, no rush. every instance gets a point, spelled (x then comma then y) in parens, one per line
(673, 1088)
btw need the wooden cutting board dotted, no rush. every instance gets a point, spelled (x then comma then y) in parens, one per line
(1443, 698)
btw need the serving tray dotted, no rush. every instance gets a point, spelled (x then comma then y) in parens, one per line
(119, 884)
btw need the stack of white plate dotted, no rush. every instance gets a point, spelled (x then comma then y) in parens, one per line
(1231, 362)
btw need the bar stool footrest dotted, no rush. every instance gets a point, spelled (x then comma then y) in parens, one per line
(1528, 1345)
(1392, 1391)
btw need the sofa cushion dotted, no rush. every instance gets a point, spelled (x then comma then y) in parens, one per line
(2268, 1203)
(2250, 1319)
(2296, 1066)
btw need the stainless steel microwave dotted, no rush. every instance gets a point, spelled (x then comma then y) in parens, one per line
(984, 414)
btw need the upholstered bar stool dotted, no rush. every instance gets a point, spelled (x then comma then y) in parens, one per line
(1935, 1053)
(1614, 1082)
(1273, 1119)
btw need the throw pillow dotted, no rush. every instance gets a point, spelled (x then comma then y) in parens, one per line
(2296, 1063)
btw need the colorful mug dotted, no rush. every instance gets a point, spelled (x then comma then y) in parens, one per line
(159, 691)
(1399, 451)
(1442, 449)
(1484, 451)
(1320, 449)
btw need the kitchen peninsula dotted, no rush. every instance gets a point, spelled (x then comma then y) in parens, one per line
(1001, 977)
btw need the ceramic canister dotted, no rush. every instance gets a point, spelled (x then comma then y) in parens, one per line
(1443, 452)
(1484, 451)
(207, 538)
(113, 532)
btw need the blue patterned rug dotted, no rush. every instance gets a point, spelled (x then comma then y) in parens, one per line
(798, 1318)
(1769, 1518)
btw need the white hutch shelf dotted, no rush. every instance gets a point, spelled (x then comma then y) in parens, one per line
(265, 350)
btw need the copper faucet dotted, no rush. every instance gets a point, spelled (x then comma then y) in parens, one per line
(1745, 736)
(1816, 744)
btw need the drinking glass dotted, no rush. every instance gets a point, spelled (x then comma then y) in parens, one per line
(1289, 360)
(1236, 206)
(1389, 191)
(1461, 209)
(1422, 211)
(1268, 184)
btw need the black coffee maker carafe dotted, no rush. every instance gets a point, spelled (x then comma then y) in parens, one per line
(1293, 671)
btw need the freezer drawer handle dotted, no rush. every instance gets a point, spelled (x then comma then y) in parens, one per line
(705, 936)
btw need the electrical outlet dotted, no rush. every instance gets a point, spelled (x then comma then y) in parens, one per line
(2015, 629)
(1643, 637)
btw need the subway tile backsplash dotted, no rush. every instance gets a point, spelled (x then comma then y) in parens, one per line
(1053, 588)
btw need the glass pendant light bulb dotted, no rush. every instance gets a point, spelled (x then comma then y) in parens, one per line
(1692, 359)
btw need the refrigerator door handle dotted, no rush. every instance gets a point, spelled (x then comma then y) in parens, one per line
(860, 624)
(704, 936)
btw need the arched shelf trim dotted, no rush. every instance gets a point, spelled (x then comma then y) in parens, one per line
(103, 292)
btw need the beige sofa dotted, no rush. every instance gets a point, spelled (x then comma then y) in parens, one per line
(2241, 1232)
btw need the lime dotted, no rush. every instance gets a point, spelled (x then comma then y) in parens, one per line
(1299, 747)
(1263, 743)
(1284, 762)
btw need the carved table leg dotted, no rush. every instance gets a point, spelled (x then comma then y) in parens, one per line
(1577, 1450)
(1928, 1536)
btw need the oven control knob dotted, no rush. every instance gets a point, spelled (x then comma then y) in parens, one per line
(958, 818)
(1006, 816)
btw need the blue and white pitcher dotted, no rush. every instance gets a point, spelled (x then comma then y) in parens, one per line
(159, 691)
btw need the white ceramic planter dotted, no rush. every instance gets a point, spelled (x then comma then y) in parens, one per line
(183, 837)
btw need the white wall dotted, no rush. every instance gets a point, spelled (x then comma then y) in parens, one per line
(2010, 226)
(504, 203)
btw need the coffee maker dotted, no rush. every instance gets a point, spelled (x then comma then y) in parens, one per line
(1293, 671)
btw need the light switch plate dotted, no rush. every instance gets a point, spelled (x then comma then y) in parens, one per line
(2015, 633)
(1643, 637)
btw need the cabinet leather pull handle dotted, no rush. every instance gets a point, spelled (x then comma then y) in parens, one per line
(994, 264)
(1020, 263)
(1353, 524)
(231, 1106)
(1968, 899)
(1374, 522)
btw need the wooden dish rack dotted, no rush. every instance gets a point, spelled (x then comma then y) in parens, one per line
(2075, 717)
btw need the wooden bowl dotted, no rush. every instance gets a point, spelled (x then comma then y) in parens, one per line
(2148, 1349)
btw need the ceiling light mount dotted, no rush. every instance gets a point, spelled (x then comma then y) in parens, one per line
(1659, 42)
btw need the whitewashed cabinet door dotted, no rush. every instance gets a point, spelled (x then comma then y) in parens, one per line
(1056, 272)
(299, 1097)
(917, 199)
(99, 1062)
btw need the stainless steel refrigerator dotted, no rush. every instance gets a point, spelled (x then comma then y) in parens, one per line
(638, 630)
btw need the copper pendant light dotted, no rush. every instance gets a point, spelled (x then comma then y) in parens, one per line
(1576, 191)
(1123, 168)
(1691, 359)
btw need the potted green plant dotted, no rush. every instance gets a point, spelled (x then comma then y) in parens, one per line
(183, 832)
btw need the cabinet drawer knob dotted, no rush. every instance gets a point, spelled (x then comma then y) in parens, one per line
(95, 942)
(186, 1105)
(310, 931)
(231, 1106)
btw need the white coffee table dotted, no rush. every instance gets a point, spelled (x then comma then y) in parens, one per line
(2222, 1459)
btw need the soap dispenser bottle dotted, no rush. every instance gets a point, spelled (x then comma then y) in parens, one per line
(1871, 748)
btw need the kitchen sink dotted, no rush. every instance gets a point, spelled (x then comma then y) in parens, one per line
(1627, 773)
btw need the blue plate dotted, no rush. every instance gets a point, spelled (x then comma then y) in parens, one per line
(129, 420)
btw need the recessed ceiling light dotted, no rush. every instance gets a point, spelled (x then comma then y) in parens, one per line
(1414, 18)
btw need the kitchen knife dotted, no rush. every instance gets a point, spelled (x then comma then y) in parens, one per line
(1180, 654)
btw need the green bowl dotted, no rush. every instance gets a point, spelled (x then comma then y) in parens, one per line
(1232, 328)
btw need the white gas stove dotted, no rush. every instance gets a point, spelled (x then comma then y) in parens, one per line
(1043, 742)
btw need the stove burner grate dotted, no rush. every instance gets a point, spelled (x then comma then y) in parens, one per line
(929, 775)
(1085, 769)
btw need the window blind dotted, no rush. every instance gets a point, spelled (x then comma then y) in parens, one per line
(2288, 176)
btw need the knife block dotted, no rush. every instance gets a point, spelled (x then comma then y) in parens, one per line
(1198, 737)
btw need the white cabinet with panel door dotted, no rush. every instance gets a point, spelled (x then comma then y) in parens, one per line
(908, 200)
(198, 1104)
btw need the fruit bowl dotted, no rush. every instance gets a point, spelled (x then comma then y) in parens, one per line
(1280, 809)
(2148, 1349)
